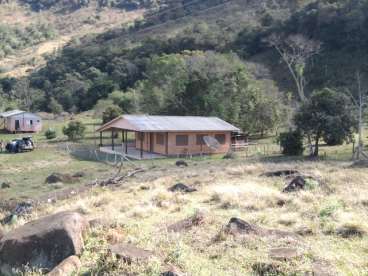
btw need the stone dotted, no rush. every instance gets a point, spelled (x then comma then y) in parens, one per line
(1, 234)
(280, 173)
(79, 174)
(180, 187)
(70, 266)
(172, 271)
(99, 222)
(323, 268)
(298, 183)
(60, 177)
(43, 243)
(283, 253)
(238, 226)
(187, 223)
(304, 231)
(129, 253)
(181, 163)
(5, 185)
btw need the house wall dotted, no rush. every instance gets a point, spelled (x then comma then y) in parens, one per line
(24, 123)
(191, 148)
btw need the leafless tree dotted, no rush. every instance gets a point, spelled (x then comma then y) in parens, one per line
(295, 51)
(360, 102)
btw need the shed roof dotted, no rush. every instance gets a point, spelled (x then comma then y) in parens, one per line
(149, 123)
(11, 113)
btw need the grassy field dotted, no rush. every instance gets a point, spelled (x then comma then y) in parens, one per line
(27, 171)
(333, 221)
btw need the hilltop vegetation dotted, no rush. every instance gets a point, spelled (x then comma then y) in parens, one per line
(124, 60)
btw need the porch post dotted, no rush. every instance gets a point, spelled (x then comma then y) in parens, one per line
(100, 138)
(126, 141)
(112, 139)
(167, 143)
(141, 136)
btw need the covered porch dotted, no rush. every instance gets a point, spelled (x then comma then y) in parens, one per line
(136, 148)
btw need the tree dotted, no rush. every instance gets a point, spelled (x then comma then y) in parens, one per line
(55, 107)
(75, 130)
(295, 51)
(291, 143)
(111, 113)
(326, 114)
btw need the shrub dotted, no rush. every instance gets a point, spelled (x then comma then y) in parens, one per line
(50, 134)
(111, 113)
(75, 130)
(291, 143)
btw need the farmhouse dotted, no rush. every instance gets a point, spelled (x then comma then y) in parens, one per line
(169, 135)
(20, 121)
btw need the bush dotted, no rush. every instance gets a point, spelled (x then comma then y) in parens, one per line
(50, 134)
(291, 143)
(111, 113)
(75, 130)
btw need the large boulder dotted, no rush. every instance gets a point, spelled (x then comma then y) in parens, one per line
(186, 224)
(43, 243)
(68, 267)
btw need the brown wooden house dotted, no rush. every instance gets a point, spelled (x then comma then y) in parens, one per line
(169, 135)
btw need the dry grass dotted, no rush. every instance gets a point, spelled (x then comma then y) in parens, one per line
(333, 223)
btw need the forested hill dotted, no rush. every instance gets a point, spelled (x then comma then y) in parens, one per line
(202, 57)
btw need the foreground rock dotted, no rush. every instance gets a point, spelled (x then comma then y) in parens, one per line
(70, 266)
(129, 253)
(181, 163)
(172, 271)
(298, 183)
(188, 223)
(43, 243)
(283, 253)
(60, 177)
(180, 187)
(238, 226)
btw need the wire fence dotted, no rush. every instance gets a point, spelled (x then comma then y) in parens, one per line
(92, 153)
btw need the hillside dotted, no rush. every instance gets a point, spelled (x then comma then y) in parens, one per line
(121, 60)
(31, 36)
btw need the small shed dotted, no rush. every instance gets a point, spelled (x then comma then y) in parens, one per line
(169, 135)
(20, 121)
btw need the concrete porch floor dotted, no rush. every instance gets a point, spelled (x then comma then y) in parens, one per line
(133, 153)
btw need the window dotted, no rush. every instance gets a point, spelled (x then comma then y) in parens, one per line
(220, 138)
(199, 139)
(160, 139)
(31, 122)
(182, 140)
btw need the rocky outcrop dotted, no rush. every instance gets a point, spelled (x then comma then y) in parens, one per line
(60, 177)
(129, 253)
(180, 187)
(70, 266)
(43, 243)
(187, 223)
(238, 226)
(283, 253)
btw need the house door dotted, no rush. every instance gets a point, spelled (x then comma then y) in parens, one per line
(17, 124)
(151, 142)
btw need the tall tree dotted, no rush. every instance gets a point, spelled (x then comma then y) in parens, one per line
(327, 113)
(295, 51)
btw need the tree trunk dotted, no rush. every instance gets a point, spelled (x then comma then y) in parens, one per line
(316, 148)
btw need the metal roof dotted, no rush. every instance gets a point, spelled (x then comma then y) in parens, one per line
(11, 113)
(148, 123)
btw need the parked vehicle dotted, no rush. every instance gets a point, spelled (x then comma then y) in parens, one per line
(20, 145)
